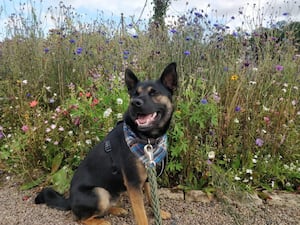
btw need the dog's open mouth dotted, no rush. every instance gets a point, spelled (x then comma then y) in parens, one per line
(146, 120)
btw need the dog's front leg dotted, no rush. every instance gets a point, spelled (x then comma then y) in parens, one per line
(137, 202)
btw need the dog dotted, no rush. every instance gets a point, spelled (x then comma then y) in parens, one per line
(118, 163)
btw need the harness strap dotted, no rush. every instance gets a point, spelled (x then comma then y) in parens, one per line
(108, 150)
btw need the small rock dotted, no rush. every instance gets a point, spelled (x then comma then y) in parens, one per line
(197, 196)
(167, 194)
(284, 199)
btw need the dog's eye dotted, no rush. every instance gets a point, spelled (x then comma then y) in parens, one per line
(153, 92)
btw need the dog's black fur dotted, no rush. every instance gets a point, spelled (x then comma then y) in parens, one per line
(102, 176)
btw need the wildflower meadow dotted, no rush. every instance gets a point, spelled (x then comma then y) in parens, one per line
(236, 126)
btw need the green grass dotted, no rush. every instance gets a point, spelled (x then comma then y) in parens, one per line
(236, 124)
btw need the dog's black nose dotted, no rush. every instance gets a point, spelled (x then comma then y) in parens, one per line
(137, 102)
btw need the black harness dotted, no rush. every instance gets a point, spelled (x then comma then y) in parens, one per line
(108, 149)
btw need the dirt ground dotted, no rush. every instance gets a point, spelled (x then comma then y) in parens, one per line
(17, 207)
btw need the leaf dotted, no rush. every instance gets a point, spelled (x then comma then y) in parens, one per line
(61, 179)
(32, 184)
(264, 196)
(56, 162)
(236, 163)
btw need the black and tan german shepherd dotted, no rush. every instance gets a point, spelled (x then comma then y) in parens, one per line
(114, 165)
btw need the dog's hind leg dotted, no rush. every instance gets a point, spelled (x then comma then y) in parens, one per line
(103, 206)
(95, 221)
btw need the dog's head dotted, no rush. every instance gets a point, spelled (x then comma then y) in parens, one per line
(150, 108)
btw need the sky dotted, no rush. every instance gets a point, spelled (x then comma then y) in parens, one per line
(218, 10)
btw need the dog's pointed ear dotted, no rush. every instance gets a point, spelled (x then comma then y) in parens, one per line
(130, 79)
(169, 77)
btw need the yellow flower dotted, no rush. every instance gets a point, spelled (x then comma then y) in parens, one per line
(234, 77)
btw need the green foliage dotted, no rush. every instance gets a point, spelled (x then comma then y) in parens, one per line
(236, 124)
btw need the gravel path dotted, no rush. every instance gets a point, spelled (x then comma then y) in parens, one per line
(16, 207)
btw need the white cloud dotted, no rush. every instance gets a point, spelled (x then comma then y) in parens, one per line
(218, 10)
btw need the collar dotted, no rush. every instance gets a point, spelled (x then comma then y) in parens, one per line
(136, 146)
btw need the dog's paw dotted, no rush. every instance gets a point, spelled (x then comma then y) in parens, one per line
(117, 211)
(95, 221)
(165, 215)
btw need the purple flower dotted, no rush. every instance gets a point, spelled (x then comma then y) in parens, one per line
(46, 50)
(259, 142)
(198, 14)
(187, 52)
(235, 34)
(246, 64)
(204, 101)
(76, 121)
(209, 162)
(1, 134)
(173, 31)
(237, 108)
(279, 68)
(126, 52)
(72, 41)
(135, 36)
(188, 38)
(79, 50)
(285, 14)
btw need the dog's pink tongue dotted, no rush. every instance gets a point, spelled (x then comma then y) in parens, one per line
(145, 119)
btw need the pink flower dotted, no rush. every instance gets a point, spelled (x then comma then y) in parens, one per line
(279, 68)
(33, 103)
(267, 119)
(25, 128)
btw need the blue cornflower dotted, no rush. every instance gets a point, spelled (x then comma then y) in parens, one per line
(198, 14)
(187, 52)
(204, 101)
(173, 31)
(72, 41)
(235, 34)
(237, 108)
(79, 50)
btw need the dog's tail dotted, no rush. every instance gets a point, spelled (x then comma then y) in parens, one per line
(53, 199)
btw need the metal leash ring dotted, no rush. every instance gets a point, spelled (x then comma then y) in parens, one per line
(148, 150)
